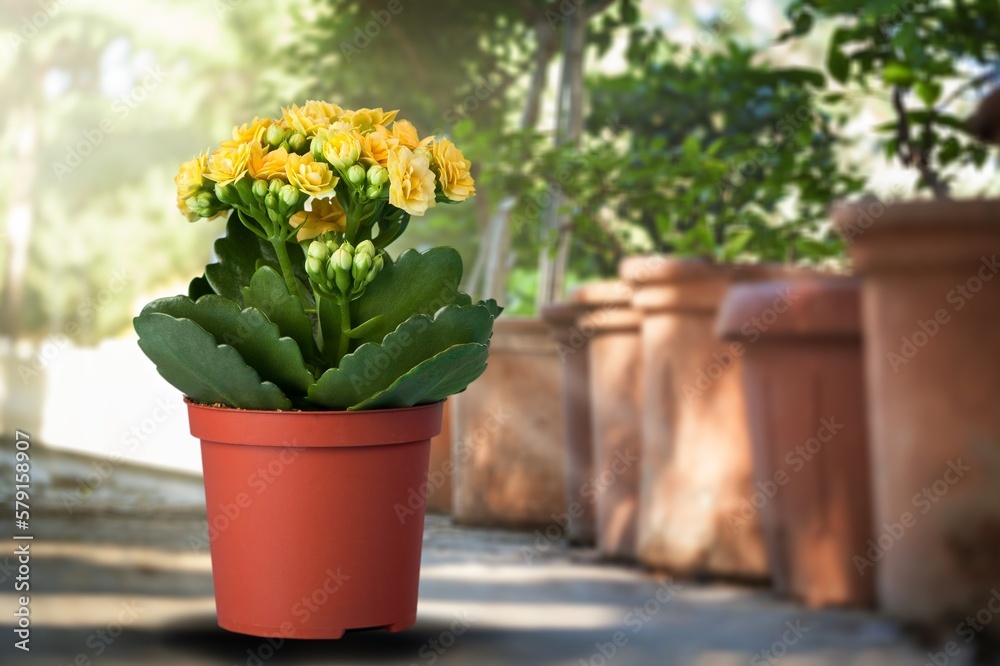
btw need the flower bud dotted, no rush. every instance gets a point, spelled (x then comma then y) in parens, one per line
(260, 188)
(271, 201)
(365, 247)
(226, 194)
(314, 267)
(296, 142)
(373, 192)
(316, 146)
(356, 174)
(275, 135)
(289, 195)
(375, 269)
(359, 271)
(319, 251)
(274, 187)
(378, 175)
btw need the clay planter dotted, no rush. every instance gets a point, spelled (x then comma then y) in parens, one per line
(931, 318)
(310, 527)
(441, 467)
(510, 469)
(615, 356)
(572, 350)
(802, 368)
(696, 457)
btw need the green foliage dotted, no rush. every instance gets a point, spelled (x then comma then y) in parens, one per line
(416, 338)
(710, 155)
(916, 50)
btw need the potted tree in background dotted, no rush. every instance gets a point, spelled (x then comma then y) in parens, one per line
(931, 305)
(315, 365)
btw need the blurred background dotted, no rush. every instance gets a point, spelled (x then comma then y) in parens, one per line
(598, 130)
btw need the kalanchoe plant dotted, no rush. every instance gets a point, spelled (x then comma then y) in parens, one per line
(305, 309)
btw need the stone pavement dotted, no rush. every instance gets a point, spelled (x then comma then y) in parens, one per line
(117, 582)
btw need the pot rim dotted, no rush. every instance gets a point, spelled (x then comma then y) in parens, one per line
(327, 428)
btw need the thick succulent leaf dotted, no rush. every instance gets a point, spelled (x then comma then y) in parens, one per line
(373, 367)
(238, 251)
(188, 357)
(329, 329)
(417, 283)
(435, 379)
(277, 359)
(492, 306)
(199, 287)
(267, 292)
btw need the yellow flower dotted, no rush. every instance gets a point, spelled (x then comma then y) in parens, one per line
(311, 177)
(374, 148)
(341, 150)
(265, 165)
(405, 134)
(248, 132)
(324, 215)
(411, 181)
(316, 109)
(304, 119)
(367, 120)
(228, 164)
(452, 171)
(190, 176)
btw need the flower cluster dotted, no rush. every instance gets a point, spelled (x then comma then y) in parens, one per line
(323, 170)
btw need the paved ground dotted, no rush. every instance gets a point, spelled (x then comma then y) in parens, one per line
(117, 583)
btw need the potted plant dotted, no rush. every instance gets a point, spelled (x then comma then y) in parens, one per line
(730, 186)
(930, 303)
(315, 364)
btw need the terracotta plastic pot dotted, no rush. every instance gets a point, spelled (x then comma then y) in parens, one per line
(615, 352)
(312, 527)
(696, 456)
(578, 442)
(510, 469)
(442, 468)
(802, 368)
(931, 318)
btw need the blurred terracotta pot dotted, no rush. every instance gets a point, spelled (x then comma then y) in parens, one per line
(577, 445)
(442, 468)
(615, 352)
(507, 447)
(802, 369)
(311, 527)
(931, 318)
(696, 457)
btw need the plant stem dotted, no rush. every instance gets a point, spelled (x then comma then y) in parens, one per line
(345, 327)
(285, 264)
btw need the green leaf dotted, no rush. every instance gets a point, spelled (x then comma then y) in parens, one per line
(492, 306)
(897, 74)
(417, 283)
(199, 287)
(249, 332)
(837, 62)
(238, 251)
(373, 367)
(445, 374)
(267, 292)
(928, 91)
(328, 314)
(189, 358)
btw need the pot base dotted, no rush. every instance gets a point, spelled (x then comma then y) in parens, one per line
(312, 633)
